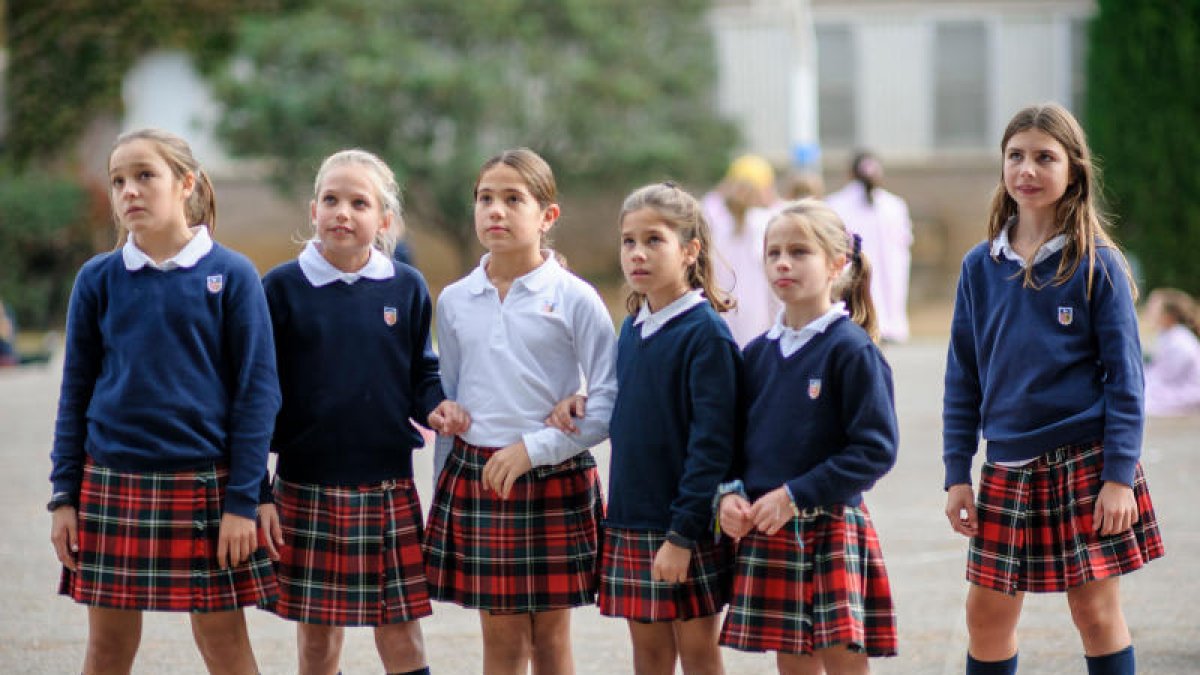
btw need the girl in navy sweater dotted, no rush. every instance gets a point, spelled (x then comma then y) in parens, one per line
(810, 582)
(168, 395)
(1045, 364)
(355, 364)
(673, 430)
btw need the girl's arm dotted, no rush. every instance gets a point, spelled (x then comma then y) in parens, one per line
(81, 367)
(1115, 324)
(963, 394)
(253, 385)
(596, 350)
(868, 413)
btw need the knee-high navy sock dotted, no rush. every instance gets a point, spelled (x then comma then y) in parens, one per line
(418, 671)
(1006, 667)
(1116, 663)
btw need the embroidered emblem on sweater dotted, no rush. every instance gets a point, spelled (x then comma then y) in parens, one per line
(548, 307)
(814, 387)
(215, 283)
(1066, 315)
(390, 315)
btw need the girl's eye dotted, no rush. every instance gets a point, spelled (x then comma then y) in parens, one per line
(329, 199)
(626, 241)
(144, 175)
(514, 199)
(118, 182)
(1014, 156)
(1046, 157)
(484, 199)
(361, 204)
(654, 239)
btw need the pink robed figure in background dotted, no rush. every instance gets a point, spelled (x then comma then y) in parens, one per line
(1173, 373)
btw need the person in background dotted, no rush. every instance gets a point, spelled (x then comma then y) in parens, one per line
(1173, 373)
(881, 219)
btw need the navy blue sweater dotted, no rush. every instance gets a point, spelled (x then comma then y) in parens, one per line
(355, 363)
(675, 423)
(1036, 369)
(822, 420)
(168, 371)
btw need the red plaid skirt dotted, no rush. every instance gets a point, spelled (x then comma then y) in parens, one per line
(818, 582)
(1035, 525)
(532, 552)
(351, 555)
(626, 589)
(148, 541)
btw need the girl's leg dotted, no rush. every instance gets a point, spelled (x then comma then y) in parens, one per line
(992, 623)
(507, 643)
(841, 661)
(112, 642)
(1096, 610)
(224, 642)
(696, 640)
(653, 648)
(799, 664)
(401, 646)
(319, 647)
(552, 643)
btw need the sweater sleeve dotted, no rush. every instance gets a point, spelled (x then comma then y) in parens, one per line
(963, 393)
(712, 372)
(253, 385)
(868, 414)
(426, 381)
(81, 367)
(595, 349)
(1120, 350)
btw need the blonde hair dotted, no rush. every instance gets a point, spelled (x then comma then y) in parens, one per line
(1077, 210)
(201, 206)
(682, 213)
(1178, 305)
(387, 191)
(823, 225)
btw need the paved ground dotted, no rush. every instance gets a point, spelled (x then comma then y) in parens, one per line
(42, 633)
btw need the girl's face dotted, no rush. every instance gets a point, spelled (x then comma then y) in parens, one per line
(347, 215)
(508, 219)
(800, 273)
(147, 199)
(654, 260)
(1036, 170)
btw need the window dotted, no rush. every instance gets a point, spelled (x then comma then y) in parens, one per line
(960, 85)
(1077, 86)
(836, 65)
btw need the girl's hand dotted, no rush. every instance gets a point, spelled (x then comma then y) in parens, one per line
(64, 534)
(505, 467)
(449, 419)
(960, 510)
(671, 563)
(236, 540)
(268, 520)
(1116, 509)
(570, 407)
(772, 511)
(734, 516)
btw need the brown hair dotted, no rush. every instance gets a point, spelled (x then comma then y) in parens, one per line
(1178, 305)
(824, 226)
(387, 191)
(1077, 210)
(201, 205)
(682, 213)
(536, 174)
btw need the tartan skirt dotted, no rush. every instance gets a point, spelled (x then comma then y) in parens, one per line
(148, 541)
(627, 590)
(818, 582)
(1035, 525)
(351, 556)
(533, 552)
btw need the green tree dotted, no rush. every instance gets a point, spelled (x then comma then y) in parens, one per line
(609, 92)
(1143, 116)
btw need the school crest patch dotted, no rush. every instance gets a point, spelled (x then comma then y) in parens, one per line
(390, 315)
(215, 283)
(548, 307)
(1066, 315)
(814, 387)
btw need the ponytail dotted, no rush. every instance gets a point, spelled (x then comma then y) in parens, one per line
(201, 206)
(855, 290)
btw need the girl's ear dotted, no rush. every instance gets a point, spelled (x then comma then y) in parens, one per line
(189, 184)
(312, 212)
(549, 217)
(836, 264)
(691, 252)
(388, 219)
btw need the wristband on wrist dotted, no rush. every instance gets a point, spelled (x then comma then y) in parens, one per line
(59, 500)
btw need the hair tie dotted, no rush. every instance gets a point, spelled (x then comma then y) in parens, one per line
(857, 244)
(671, 184)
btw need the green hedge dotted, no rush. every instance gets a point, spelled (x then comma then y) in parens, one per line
(44, 238)
(1143, 117)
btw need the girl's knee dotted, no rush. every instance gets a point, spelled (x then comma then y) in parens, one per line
(317, 642)
(1096, 608)
(992, 612)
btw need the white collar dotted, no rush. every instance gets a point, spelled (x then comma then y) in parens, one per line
(321, 272)
(651, 322)
(535, 279)
(191, 253)
(792, 339)
(1002, 246)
